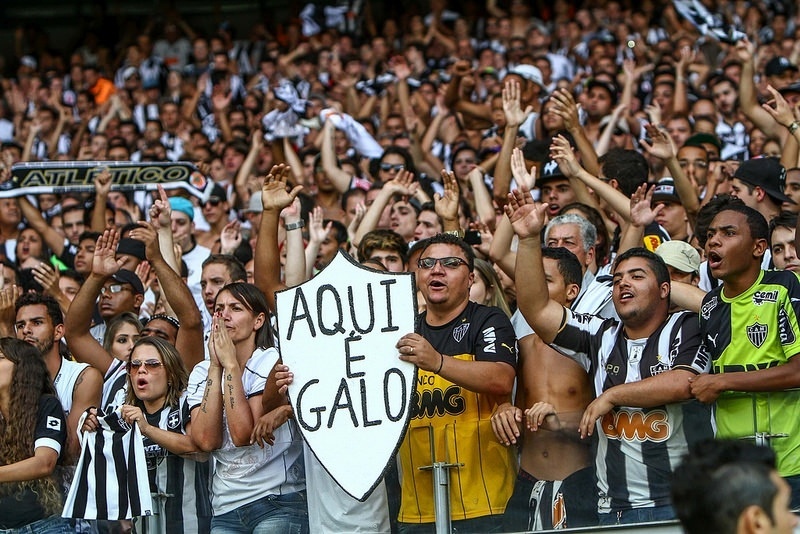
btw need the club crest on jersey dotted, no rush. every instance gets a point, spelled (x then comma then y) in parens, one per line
(785, 328)
(173, 421)
(757, 334)
(708, 307)
(760, 297)
(53, 423)
(460, 331)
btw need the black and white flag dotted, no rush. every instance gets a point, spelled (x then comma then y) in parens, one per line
(111, 476)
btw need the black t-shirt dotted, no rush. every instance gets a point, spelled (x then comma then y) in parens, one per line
(51, 431)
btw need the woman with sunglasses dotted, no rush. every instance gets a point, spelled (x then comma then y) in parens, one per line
(155, 400)
(33, 434)
(255, 487)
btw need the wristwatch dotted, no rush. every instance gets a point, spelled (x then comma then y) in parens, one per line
(793, 127)
(295, 225)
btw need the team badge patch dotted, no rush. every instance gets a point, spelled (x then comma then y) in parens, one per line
(757, 334)
(173, 421)
(708, 307)
(460, 331)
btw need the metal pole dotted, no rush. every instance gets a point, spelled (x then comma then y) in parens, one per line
(441, 488)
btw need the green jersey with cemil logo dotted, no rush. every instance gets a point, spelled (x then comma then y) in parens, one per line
(757, 330)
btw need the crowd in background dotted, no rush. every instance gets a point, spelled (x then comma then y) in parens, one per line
(620, 132)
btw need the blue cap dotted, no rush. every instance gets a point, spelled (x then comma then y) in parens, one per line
(183, 205)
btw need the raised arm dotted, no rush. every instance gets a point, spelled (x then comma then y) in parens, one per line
(545, 316)
(34, 217)
(189, 342)
(102, 186)
(341, 179)
(77, 322)
(274, 198)
(515, 116)
(748, 98)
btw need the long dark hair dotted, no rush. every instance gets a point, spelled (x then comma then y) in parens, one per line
(254, 300)
(30, 381)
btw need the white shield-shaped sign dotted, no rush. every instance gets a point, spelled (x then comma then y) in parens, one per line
(351, 393)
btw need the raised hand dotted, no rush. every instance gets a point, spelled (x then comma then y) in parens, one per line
(104, 262)
(783, 113)
(316, 231)
(520, 172)
(102, 183)
(527, 217)
(231, 237)
(274, 195)
(47, 277)
(512, 106)
(161, 211)
(661, 145)
(564, 106)
(642, 212)
(147, 234)
(446, 204)
(561, 152)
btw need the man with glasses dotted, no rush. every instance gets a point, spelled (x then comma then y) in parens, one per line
(466, 355)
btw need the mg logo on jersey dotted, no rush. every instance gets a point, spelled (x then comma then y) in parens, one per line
(460, 331)
(636, 425)
(757, 334)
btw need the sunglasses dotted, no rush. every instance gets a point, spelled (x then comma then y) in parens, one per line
(389, 167)
(150, 365)
(114, 289)
(213, 202)
(451, 262)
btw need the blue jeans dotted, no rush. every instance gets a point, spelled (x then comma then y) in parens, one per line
(274, 513)
(49, 525)
(485, 524)
(637, 515)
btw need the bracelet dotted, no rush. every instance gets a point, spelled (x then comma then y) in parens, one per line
(295, 225)
(793, 127)
(458, 233)
(441, 363)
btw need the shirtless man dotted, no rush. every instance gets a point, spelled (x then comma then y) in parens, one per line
(552, 394)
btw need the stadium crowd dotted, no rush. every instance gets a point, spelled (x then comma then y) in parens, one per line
(598, 200)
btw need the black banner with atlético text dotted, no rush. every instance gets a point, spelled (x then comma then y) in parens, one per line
(58, 177)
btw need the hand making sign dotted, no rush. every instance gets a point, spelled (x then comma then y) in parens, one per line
(351, 393)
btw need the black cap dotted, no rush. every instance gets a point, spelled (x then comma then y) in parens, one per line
(665, 192)
(132, 247)
(550, 171)
(766, 173)
(791, 88)
(124, 276)
(778, 65)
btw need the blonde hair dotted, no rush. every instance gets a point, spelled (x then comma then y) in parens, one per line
(494, 291)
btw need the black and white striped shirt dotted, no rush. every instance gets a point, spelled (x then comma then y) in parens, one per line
(637, 447)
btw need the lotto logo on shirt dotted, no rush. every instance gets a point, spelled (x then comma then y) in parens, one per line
(636, 425)
(53, 423)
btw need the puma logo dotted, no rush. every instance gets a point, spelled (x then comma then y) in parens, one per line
(510, 349)
(713, 339)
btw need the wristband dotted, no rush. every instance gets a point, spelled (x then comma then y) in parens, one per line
(793, 127)
(441, 363)
(295, 225)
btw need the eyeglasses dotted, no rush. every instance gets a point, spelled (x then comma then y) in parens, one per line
(389, 167)
(451, 262)
(150, 365)
(213, 202)
(114, 289)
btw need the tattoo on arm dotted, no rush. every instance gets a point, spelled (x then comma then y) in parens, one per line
(204, 406)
